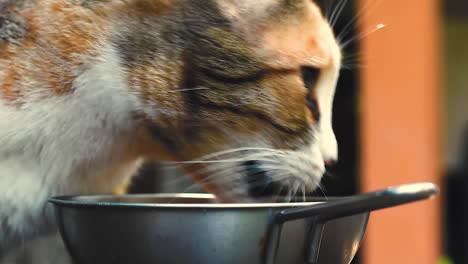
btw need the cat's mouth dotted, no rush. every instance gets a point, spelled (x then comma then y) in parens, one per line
(268, 176)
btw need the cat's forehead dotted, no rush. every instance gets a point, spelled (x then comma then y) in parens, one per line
(240, 8)
(303, 40)
(255, 11)
(290, 32)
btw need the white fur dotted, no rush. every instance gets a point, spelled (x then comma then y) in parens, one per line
(61, 144)
(326, 137)
(325, 88)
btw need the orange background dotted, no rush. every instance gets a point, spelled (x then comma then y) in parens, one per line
(400, 106)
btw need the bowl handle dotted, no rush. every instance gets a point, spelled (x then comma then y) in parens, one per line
(321, 213)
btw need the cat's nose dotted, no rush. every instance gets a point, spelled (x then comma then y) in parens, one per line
(260, 184)
(330, 162)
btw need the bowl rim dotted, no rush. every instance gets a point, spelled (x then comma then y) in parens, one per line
(86, 201)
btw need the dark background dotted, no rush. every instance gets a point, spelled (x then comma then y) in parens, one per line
(455, 231)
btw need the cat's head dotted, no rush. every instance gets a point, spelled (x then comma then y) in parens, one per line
(243, 89)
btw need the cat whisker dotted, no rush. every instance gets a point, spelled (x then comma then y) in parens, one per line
(211, 171)
(362, 35)
(221, 161)
(333, 9)
(296, 187)
(220, 166)
(213, 176)
(221, 171)
(369, 7)
(337, 12)
(289, 196)
(218, 169)
(353, 66)
(320, 188)
(261, 156)
(265, 156)
(234, 150)
(304, 193)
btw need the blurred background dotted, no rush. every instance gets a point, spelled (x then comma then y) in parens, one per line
(400, 116)
(455, 21)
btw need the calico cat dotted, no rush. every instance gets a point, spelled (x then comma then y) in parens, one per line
(237, 92)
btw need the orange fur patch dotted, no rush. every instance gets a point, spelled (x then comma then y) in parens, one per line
(142, 7)
(67, 35)
(57, 7)
(299, 42)
(8, 87)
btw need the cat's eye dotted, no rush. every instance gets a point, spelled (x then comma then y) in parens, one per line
(309, 76)
(313, 106)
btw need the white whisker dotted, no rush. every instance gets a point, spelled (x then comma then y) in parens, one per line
(288, 196)
(279, 177)
(234, 150)
(334, 10)
(279, 193)
(252, 157)
(338, 12)
(295, 189)
(369, 7)
(215, 176)
(362, 35)
(323, 192)
(304, 193)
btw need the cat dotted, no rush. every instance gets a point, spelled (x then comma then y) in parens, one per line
(238, 93)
